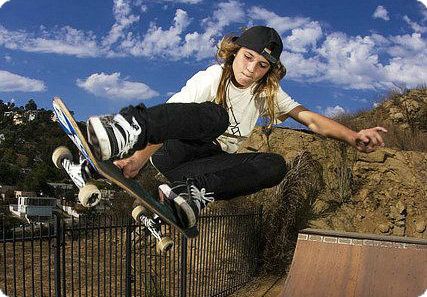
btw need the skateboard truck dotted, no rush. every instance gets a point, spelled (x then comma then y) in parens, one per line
(89, 195)
(153, 224)
(80, 173)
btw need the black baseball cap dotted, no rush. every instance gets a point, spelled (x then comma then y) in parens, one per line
(264, 40)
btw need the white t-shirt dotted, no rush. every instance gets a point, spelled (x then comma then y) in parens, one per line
(243, 108)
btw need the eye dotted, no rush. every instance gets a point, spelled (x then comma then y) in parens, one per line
(263, 65)
(248, 57)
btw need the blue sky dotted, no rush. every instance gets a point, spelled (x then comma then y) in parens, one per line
(102, 55)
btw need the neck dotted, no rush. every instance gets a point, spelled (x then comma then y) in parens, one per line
(236, 84)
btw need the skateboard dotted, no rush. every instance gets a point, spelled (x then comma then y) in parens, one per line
(150, 212)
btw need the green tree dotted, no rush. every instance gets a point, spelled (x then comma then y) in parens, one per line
(31, 105)
(9, 174)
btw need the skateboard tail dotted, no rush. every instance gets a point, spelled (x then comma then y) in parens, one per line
(70, 131)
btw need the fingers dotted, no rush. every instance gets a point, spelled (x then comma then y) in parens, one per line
(120, 163)
(380, 129)
(368, 140)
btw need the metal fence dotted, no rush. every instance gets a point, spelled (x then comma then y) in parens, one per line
(107, 256)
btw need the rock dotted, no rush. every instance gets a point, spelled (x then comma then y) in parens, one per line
(420, 226)
(399, 231)
(360, 217)
(398, 116)
(363, 194)
(397, 212)
(400, 207)
(379, 156)
(400, 223)
(384, 228)
(319, 224)
(320, 206)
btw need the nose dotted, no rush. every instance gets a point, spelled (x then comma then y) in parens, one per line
(251, 67)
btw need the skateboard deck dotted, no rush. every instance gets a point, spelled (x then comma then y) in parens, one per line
(112, 173)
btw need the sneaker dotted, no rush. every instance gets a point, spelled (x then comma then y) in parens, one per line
(112, 136)
(188, 199)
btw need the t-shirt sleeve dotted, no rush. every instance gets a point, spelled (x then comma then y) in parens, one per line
(284, 103)
(200, 88)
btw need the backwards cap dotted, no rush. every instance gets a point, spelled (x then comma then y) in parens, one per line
(264, 40)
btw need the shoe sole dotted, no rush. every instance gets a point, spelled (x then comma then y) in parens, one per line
(98, 138)
(184, 210)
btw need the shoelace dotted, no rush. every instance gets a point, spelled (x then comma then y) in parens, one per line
(127, 141)
(200, 196)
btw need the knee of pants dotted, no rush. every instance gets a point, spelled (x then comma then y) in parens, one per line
(219, 115)
(276, 169)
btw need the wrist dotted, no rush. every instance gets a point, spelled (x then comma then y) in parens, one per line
(351, 138)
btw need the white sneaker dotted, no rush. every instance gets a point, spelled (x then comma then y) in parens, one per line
(189, 200)
(112, 136)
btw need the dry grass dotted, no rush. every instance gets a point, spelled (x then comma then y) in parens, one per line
(289, 210)
(403, 114)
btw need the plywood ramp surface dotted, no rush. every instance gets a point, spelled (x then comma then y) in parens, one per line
(349, 264)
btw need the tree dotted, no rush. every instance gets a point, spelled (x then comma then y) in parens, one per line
(31, 105)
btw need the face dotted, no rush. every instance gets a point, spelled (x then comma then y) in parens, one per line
(248, 67)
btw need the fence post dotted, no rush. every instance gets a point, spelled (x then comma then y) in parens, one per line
(184, 267)
(62, 249)
(128, 261)
(57, 256)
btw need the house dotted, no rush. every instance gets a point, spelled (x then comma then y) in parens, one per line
(26, 194)
(32, 208)
(3, 191)
(61, 186)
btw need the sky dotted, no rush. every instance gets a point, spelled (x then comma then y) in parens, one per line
(100, 55)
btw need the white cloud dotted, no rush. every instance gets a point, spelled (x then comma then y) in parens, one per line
(113, 87)
(66, 41)
(312, 53)
(175, 44)
(281, 24)
(424, 2)
(332, 111)
(157, 41)
(8, 58)
(184, 1)
(301, 68)
(124, 19)
(10, 82)
(2, 2)
(416, 27)
(304, 37)
(352, 62)
(381, 13)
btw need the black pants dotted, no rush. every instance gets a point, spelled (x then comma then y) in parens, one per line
(188, 132)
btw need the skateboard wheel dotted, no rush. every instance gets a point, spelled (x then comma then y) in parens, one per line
(59, 154)
(89, 195)
(138, 212)
(164, 245)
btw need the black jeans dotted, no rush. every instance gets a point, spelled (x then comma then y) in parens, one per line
(188, 132)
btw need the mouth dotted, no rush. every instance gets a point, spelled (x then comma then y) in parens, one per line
(247, 76)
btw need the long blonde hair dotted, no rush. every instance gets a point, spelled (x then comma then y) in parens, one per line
(268, 85)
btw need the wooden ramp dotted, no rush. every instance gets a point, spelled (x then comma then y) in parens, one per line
(328, 263)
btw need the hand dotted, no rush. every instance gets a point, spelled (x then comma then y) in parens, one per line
(131, 166)
(368, 140)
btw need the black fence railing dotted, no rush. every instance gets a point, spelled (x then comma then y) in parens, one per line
(107, 256)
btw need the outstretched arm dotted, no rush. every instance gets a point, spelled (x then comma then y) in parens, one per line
(366, 140)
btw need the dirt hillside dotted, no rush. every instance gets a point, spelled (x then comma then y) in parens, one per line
(332, 186)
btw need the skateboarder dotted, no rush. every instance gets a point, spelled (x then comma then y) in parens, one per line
(192, 139)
